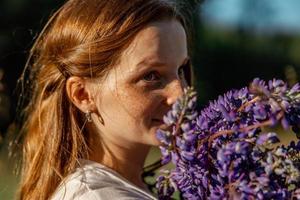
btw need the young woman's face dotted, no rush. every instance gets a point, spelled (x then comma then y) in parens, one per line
(139, 91)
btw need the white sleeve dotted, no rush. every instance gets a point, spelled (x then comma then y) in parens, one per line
(80, 191)
(109, 193)
(93, 181)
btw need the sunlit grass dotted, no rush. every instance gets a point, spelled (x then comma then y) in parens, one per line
(8, 180)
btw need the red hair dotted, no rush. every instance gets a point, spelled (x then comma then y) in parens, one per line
(83, 38)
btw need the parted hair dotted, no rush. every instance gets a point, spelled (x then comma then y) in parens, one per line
(83, 38)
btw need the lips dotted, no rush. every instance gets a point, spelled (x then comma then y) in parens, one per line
(161, 125)
(158, 120)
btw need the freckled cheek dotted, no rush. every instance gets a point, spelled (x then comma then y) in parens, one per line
(133, 105)
(142, 107)
(148, 108)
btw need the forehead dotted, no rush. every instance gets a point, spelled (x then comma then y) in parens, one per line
(163, 41)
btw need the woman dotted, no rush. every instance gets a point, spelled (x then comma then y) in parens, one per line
(103, 72)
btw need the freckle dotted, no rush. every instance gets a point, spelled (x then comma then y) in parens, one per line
(132, 101)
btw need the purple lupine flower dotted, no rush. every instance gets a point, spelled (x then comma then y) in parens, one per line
(165, 187)
(267, 138)
(223, 152)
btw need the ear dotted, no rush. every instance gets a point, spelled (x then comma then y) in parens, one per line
(80, 92)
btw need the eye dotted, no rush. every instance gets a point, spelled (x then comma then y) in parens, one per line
(184, 73)
(151, 76)
(181, 72)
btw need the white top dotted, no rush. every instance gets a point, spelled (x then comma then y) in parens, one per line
(93, 181)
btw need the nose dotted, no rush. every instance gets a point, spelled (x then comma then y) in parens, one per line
(174, 91)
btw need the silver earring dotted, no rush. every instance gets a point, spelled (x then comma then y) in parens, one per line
(88, 116)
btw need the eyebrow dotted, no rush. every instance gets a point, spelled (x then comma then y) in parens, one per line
(149, 62)
(152, 62)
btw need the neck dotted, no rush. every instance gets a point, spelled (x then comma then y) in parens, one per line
(127, 161)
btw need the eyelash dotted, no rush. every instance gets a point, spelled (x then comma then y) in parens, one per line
(145, 78)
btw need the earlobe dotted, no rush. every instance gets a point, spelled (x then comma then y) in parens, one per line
(79, 93)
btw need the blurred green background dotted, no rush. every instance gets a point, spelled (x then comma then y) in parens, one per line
(234, 42)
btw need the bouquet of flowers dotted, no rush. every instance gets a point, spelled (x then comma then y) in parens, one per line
(226, 152)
